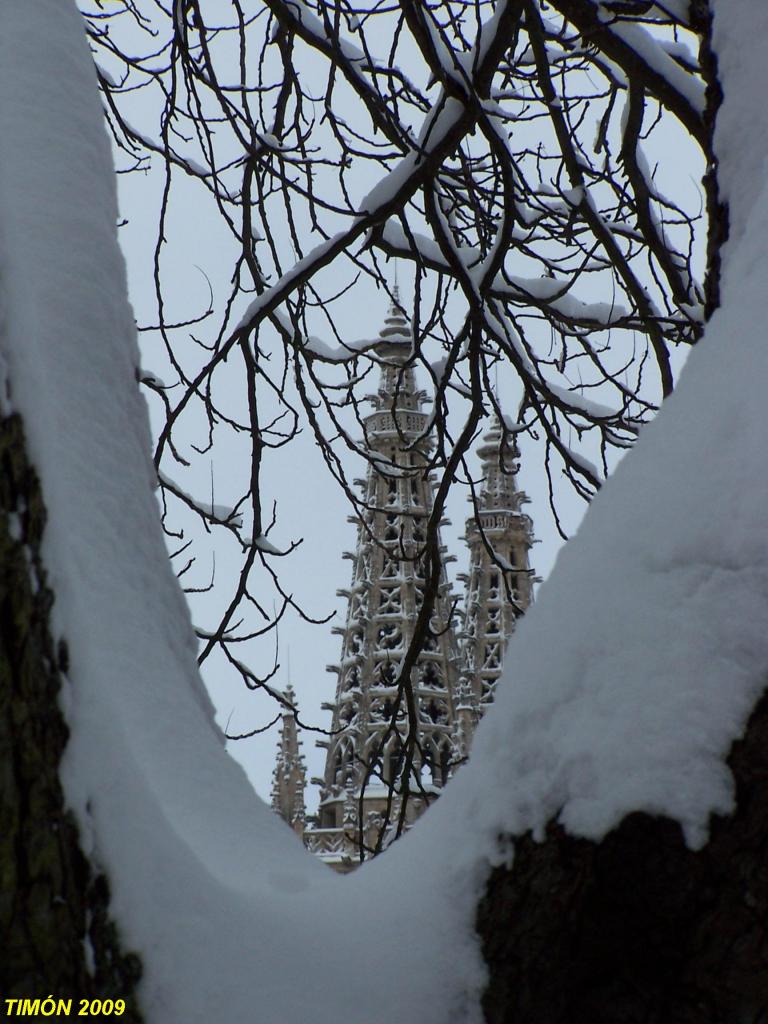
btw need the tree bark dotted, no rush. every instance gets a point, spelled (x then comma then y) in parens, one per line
(638, 928)
(56, 936)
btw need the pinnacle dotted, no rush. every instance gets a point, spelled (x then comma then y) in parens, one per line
(396, 329)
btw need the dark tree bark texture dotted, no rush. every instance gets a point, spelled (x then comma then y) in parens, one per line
(638, 929)
(51, 898)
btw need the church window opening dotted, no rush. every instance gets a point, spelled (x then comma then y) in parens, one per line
(427, 762)
(385, 675)
(392, 532)
(492, 657)
(389, 602)
(390, 637)
(352, 679)
(345, 761)
(395, 758)
(390, 569)
(328, 817)
(355, 643)
(435, 712)
(488, 686)
(430, 676)
(373, 760)
(430, 643)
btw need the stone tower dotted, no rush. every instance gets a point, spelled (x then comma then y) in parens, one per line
(499, 581)
(366, 773)
(364, 770)
(289, 775)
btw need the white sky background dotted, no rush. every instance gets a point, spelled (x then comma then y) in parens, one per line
(309, 503)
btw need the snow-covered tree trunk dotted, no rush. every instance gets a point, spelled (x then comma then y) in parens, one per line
(637, 927)
(56, 935)
(642, 924)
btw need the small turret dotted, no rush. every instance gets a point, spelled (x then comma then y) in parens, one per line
(499, 583)
(289, 775)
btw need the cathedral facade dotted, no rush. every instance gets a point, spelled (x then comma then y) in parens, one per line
(391, 748)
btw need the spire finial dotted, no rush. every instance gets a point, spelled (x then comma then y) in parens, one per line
(396, 308)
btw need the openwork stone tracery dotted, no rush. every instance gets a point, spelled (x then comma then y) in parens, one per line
(367, 778)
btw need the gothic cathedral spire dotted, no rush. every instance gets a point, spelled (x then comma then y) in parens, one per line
(365, 770)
